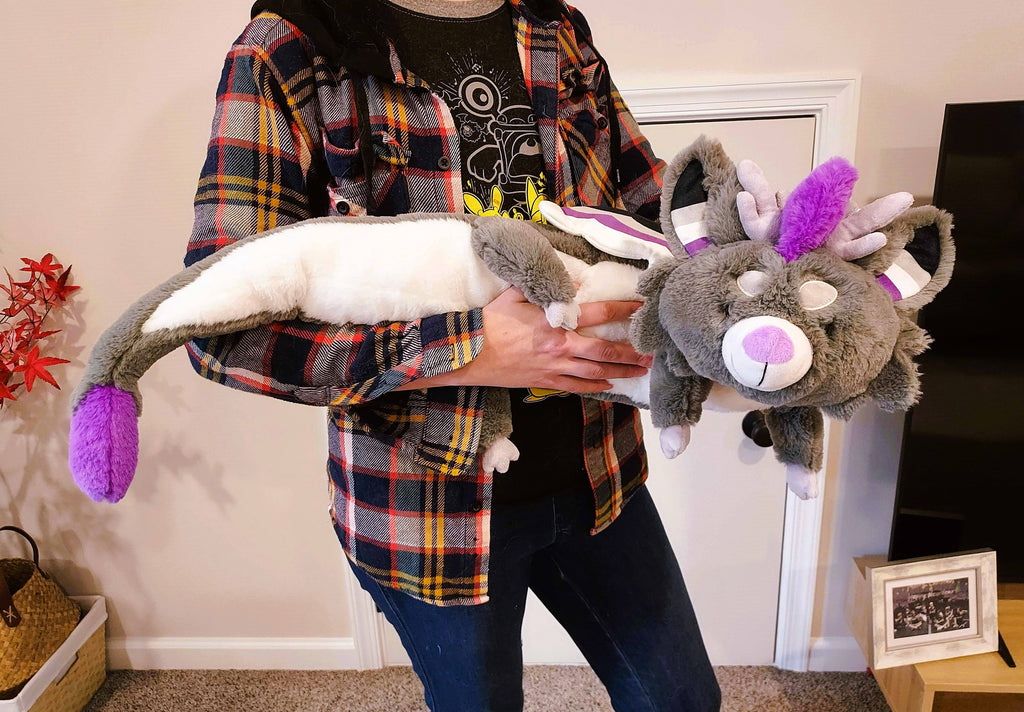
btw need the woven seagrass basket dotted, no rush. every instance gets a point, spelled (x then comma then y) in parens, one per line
(36, 616)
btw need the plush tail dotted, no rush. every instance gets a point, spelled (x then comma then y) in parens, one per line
(104, 442)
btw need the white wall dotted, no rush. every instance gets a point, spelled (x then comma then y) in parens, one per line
(225, 533)
(107, 109)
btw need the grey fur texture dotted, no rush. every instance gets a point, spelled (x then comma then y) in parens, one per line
(675, 400)
(518, 253)
(863, 343)
(798, 434)
(721, 184)
(497, 421)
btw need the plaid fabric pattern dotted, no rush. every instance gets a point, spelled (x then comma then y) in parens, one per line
(410, 503)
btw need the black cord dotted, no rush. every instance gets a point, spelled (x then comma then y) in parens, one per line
(366, 152)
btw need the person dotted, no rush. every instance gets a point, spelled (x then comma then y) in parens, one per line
(384, 107)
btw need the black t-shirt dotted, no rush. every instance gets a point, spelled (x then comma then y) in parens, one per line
(473, 64)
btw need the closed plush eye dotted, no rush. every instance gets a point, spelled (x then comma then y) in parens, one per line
(751, 282)
(816, 294)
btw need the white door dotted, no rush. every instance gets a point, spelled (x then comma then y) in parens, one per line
(723, 500)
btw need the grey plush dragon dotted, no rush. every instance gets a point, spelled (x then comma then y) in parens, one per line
(792, 306)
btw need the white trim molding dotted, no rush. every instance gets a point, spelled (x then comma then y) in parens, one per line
(833, 102)
(367, 624)
(232, 654)
(836, 654)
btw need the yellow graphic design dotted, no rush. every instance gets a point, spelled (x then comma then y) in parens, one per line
(536, 395)
(530, 211)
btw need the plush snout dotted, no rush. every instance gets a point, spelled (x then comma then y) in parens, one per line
(766, 353)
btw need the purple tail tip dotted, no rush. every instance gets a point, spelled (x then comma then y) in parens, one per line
(104, 443)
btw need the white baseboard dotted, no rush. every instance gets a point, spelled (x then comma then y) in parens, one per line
(232, 654)
(836, 654)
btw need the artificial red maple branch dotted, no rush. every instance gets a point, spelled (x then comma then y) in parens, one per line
(31, 301)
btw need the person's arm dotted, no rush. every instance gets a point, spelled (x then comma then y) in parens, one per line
(257, 176)
(521, 350)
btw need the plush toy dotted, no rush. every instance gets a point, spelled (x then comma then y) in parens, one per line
(752, 302)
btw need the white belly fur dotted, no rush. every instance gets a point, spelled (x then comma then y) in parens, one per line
(364, 276)
(359, 275)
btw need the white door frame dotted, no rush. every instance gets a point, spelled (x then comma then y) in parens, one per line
(834, 104)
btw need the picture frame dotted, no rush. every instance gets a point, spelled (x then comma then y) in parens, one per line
(932, 608)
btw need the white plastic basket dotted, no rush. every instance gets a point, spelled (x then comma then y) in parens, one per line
(71, 676)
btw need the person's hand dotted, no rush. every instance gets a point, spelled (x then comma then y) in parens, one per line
(521, 350)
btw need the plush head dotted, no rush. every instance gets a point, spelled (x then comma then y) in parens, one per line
(798, 301)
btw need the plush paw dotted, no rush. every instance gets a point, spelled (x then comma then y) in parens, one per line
(499, 455)
(563, 314)
(801, 481)
(674, 440)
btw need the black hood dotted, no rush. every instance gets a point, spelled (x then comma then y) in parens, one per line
(346, 34)
(341, 30)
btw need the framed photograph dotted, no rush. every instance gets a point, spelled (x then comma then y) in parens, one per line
(933, 608)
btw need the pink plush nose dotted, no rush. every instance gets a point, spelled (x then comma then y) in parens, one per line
(768, 344)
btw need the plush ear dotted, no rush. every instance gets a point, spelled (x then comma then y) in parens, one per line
(698, 199)
(917, 260)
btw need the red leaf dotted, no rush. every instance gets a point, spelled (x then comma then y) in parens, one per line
(6, 392)
(47, 265)
(37, 335)
(28, 324)
(33, 365)
(57, 289)
(17, 306)
(7, 341)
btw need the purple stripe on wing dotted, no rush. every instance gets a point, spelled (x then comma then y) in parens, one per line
(610, 220)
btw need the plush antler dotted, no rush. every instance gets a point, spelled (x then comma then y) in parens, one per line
(856, 236)
(760, 207)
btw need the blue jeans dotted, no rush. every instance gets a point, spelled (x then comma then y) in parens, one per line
(619, 594)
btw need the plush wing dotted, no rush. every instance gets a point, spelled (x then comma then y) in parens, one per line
(615, 233)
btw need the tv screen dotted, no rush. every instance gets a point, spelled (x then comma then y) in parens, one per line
(961, 483)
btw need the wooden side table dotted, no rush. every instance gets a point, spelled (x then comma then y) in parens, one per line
(981, 682)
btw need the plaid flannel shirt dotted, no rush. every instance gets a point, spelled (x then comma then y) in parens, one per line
(410, 504)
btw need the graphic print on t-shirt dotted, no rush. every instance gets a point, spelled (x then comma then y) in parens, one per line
(504, 163)
(472, 64)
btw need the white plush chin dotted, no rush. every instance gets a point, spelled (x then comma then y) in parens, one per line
(757, 374)
(801, 481)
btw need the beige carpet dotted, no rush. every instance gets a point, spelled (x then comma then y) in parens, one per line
(547, 689)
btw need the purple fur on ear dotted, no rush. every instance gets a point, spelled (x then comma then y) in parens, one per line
(815, 208)
(104, 444)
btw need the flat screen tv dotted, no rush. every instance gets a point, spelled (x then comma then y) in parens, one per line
(961, 480)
